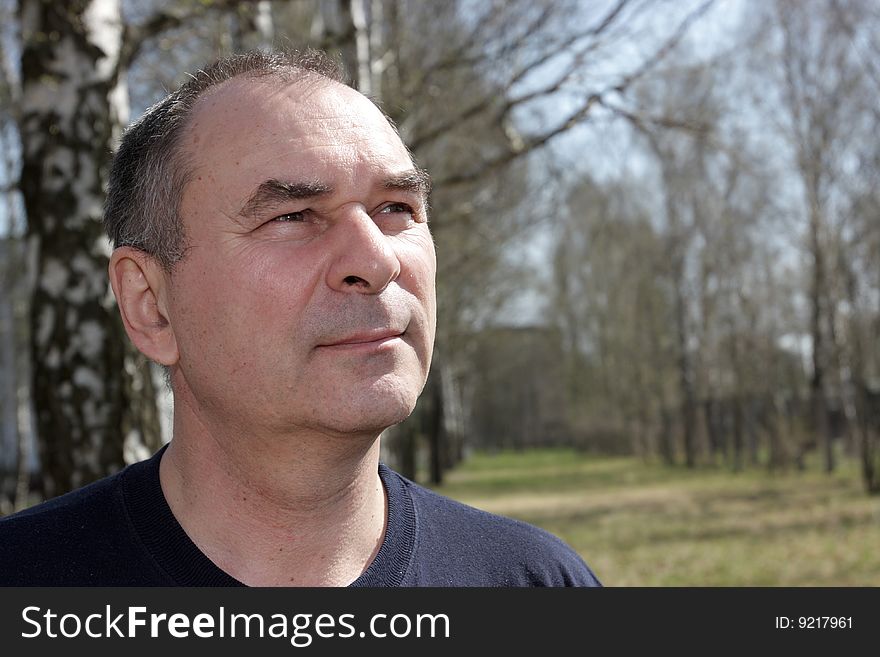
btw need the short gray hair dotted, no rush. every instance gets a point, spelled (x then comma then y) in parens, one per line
(150, 170)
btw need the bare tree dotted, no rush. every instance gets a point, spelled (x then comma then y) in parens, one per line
(858, 238)
(819, 80)
(90, 408)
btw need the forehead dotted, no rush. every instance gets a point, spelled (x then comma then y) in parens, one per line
(247, 130)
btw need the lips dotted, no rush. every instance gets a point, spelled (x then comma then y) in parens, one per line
(364, 338)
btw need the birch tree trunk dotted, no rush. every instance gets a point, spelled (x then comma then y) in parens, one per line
(88, 410)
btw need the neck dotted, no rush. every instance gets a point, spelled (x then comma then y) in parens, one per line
(300, 508)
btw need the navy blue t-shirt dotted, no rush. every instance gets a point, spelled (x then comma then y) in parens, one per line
(120, 532)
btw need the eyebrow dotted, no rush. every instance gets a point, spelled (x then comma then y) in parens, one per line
(273, 192)
(416, 181)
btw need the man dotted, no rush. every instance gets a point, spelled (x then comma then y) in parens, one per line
(272, 252)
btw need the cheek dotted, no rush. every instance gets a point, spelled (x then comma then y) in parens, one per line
(419, 265)
(418, 272)
(271, 288)
(198, 296)
(227, 309)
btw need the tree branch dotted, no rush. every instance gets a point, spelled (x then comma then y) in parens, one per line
(578, 115)
(135, 36)
(641, 122)
(575, 65)
(527, 145)
(455, 59)
(667, 47)
(540, 60)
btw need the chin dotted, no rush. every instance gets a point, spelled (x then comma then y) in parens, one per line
(372, 412)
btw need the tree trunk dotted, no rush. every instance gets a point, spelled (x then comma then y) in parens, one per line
(821, 426)
(667, 446)
(72, 103)
(345, 37)
(407, 448)
(738, 441)
(778, 457)
(251, 26)
(685, 368)
(678, 238)
(436, 430)
(24, 420)
(751, 426)
(713, 431)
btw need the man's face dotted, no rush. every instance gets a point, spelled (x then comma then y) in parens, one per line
(306, 297)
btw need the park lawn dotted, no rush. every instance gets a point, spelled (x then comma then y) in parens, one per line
(640, 524)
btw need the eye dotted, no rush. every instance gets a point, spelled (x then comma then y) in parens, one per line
(397, 208)
(395, 217)
(290, 217)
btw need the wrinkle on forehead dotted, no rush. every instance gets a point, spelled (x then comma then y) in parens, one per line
(255, 89)
(286, 110)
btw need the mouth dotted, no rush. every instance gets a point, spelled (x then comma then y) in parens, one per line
(365, 340)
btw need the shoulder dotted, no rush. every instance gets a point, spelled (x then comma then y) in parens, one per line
(61, 514)
(478, 548)
(60, 542)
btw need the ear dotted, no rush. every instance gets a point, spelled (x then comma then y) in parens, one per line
(140, 286)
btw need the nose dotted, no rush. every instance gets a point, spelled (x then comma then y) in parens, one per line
(364, 261)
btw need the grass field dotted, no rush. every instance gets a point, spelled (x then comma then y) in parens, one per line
(638, 524)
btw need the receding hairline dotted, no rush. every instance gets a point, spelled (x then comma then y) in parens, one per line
(186, 152)
(308, 80)
(183, 151)
(288, 76)
(258, 79)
